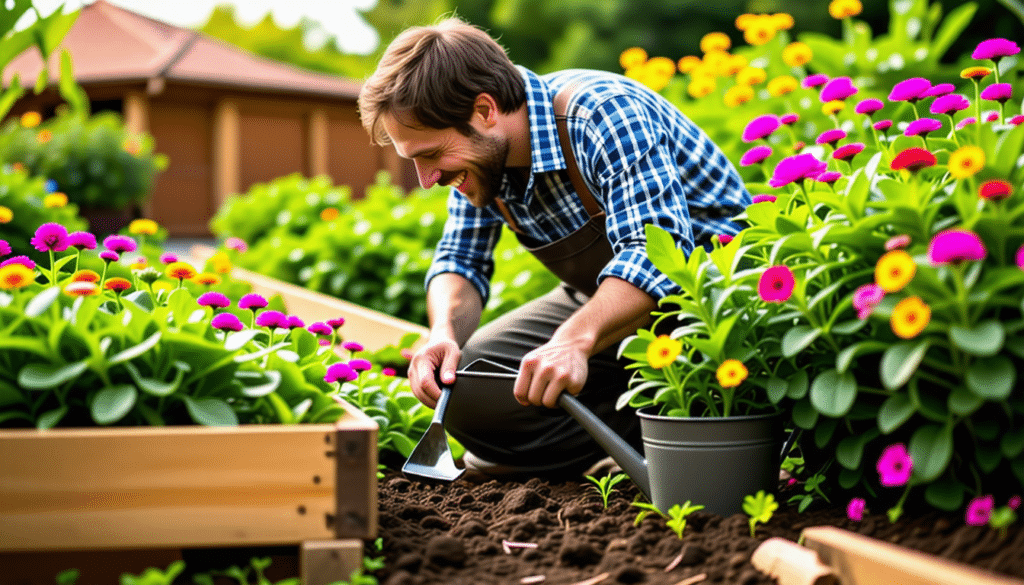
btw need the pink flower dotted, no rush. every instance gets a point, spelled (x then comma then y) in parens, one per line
(50, 237)
(23, 260)
(955, 246)
(272, 319)
(120, 244)
(319, 328)
(762, 197)
(995, 49)
(939, 90)
(894, 465)
(814, 80)
(214, 299)
(294, 322)
(829, 177)
(360, 365)
(848, 151)
(1019, 258)
(855, 509)
(389, 372)
(991, 116)
(1016, 120)
(966, 122)
(724, 239)
(796, 168)
(5, 248)
(868, 106)
(109, 256)
(866, 298)
(831, 136)
(340, 371)
(761, 127)
(323, 342)
(948, 104)
(168, 257)
(776, 284)
(882, 125)
(336, 323)
(897, 242)
(839, 88)
(1013, 503)
(226, 321)
(789, 119)
(979, 510)
(353, 346)
(252, 301)
(82, 240)
(755, 155)
(922, 126)
(909, 90)
(997, 92)
(237, 244)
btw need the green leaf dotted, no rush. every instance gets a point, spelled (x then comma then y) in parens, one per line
(850, 450)
(136, 350)
(42, 301)
(49, 419)
(237, 339)
(804, 415)
(991, 378)
(900, 361)
(211, 412)
(833, 394)
(46, 376)
(256, 384)
(963, 402)
(896, 410)
(984, 339)
(798, 338)
(112, 403)
(1012, 443)
(931, 450)
(945, 494)
(844, 359)
(152, 385)
(69, 89)
(954, 24)
(799, 383)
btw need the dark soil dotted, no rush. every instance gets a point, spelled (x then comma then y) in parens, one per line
(454, 533)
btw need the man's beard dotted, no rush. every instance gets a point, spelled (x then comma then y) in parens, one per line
(490, 168)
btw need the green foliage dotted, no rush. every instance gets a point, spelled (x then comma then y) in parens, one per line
(760, 507)
(155, 576)
(24, 195)
(45, 33)
(606, 485)
(677, 517)
(94, 160)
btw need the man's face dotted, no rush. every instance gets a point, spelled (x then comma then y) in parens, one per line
(472, 164)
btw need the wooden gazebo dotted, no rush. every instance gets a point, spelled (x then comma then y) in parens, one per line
(225, 118)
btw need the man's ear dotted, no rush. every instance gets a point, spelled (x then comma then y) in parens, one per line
(485, 108)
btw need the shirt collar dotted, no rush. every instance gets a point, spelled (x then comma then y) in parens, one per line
(545, 149)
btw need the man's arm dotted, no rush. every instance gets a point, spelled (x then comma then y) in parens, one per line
(454, 307)
(615, 311)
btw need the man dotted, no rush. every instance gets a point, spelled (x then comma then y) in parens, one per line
(450, 99)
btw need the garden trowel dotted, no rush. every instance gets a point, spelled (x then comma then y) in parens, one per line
(432, 457)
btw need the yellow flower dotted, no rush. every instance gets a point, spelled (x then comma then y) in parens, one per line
(220, 263)
(663, 351)
(782, 85)
(54, 200)
(744, 20)
(207, 278)
(715, 41)
(735, 64)
(85, 275)
(6, 215)
(715, 63)
(751, 76)
(44, 136)
(657, 72)
(976, 73)
(840, 9)
(139, 264)
(688, 63)
(701, 86)
(117, 284)
(966, 161)
(16, 276)
(796, 54)
(132, 146)
(833, 107)
(731, 373)
(30, 119)
(632, 57)
(738, 94)
(760, 31)
(180, 271)
(143, 227)
(783, 21)
(909, 317)
(894, 271)
(662, 66)
(82, 288)
(329, 214)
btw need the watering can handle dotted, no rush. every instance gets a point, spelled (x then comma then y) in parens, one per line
(622, 452)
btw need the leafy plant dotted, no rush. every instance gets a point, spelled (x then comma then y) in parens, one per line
(45, 33)
(605, 485)
(646, 509)
(155, 576)
(760, 507)
(23, 206)
(677, 516)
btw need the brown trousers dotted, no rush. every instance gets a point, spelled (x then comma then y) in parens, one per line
(536, 439)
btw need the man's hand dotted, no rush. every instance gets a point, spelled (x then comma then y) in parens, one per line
(548, 371)
(433, 360)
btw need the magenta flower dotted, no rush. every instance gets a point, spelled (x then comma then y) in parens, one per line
(882, 125)
(848, 151)
(955, 246)
(939, 90)
(909, 90)
(214, 299)
(796, 168)
(109, 256)
(829, 177)
(866, 298)
(1019, 258)
(814, 80)
(50, 237)
(966, 122)
(997, 92)
(353, 346)
(755, 155)
(168, 257)
(294, 322)
(237, 244)
(922, 126)
(336, 323)
(894, 465)
(389, 372)
(897, 242)
(23, 260)
(789, 119)
(979, 510)
(1013, 503)
(991, 116)
(725, 239)
(5, 248)
(776, 284)
(82, 240)
(319, 328)
(868, 106)
(226, 321)
(360, 365)
(120, 244)
(1016, 120)
(948, 104)
(761, 127)
(761, 198)
(272, 319)
(995, 49)
(252, 301)
(340, 371)
(839, 88)
(831, 136)
(323, 342)
(855, 509)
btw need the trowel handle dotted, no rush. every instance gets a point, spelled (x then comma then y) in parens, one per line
(622, 452)
(442, 402)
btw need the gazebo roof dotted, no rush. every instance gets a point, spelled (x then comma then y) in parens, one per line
(109, 44)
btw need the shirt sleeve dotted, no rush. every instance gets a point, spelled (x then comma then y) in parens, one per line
(647, 176)
(467, 244)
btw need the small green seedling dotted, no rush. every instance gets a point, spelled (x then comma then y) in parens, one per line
(605, 485)
(645, 509)
(677, 517)
(760, 508)
(1001, 519)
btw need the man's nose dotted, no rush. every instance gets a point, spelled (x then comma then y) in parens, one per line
(428, 178)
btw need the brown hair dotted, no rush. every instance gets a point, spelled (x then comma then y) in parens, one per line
(436, 73)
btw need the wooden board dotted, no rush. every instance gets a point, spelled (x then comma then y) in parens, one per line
(115, 488)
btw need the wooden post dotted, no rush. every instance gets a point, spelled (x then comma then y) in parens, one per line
(329, 561)
(135, 109)
(317, 142)
(226, 151)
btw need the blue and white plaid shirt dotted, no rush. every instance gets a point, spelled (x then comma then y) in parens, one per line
(643, 160)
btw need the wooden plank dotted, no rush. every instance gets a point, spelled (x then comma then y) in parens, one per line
(861, 560)
(113, 488)
(356, 510)
(329, 561)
